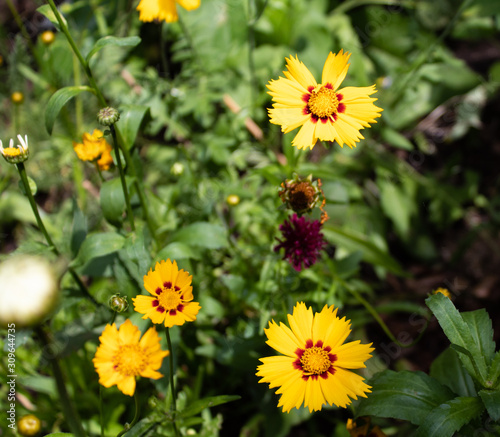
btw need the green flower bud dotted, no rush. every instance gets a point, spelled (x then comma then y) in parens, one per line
(108, 116)
(118, 303)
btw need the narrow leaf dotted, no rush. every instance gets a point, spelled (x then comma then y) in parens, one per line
(129, 41)
(458, 332)
(491, 400)
(58, 100)
(99, 244)
(481, 328)
(353, 243)
(47, 12)
(403, 395)
(449, 417)
(212, 401)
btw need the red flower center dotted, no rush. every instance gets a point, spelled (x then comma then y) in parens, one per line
(315, 360)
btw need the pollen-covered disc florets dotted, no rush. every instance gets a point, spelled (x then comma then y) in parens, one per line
(108, 116)
(15, 155)
(302, 194)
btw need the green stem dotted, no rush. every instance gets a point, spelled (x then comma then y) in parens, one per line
(379, 320)
(172, 387)
(128, 427)
(101, 415)
(34, 207)
(122, 178)
(16, 119)
(71, 42)
(67, 406)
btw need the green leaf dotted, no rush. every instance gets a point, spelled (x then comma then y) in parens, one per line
(178, 250)
(202, 234)
(397, 204)
(458, 332)
(141, 428)
(212, 401)
(449, 417)
(403, 395)
(448, 370)
(47, 12)
(60, 434)
(129, 41)
(491, 400)
(395, 139)
(78, 230)
(130, 121)
(99, 244)
(494, 370)
(58, 100)
(481, 328)
(112, 199)
(354, 242)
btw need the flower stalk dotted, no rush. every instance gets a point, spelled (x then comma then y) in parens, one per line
(171, 374)
(128, 426)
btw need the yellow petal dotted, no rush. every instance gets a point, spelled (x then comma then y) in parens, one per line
(298, 71)
(127, 386)
(305, 137)
(282, 339)
(314, 398)
(288, 118)
(352, 355)
(292, 392)
(335, 69)
(323, 323)
(287, 92)
(128, 333)
(339, 331)
(301, 322)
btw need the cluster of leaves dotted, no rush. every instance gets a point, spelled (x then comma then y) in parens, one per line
(191, 152)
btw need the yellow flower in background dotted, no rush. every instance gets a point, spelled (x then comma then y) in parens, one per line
(325, 112)
(123, 355)
(166, 10)
(171, 302)
(313, 367)
(364, 430)
(443, 291)
(94, 147)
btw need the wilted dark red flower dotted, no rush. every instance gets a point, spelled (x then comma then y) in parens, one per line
(302, 241)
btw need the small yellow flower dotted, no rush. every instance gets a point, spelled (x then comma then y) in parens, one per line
(171, 302)
(15, 155)
(325, 112)
(314, 366)
(17, 97)
(363, 431)
(94, 147)
(164, 9)
(442, 291)
(121, 356)
(233, 199)
(48, 37)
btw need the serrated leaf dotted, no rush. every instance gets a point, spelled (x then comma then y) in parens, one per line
(448, 370)
(46, 10)
(129, 41)
(99, 244)
(481, 328)
(494, 370)
(353, 243)
(178, 250)
(212, 401)
(491, 400)
(202, 234)
(458, 332)
(130, 121)
(449, 417)
(403, 395)
(112, 199)
(58, 100)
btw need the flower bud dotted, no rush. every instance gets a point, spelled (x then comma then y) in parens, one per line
(48, 37)
(29, 290)
(15, 155)
(17, 97)
(177, 169)
(443, 291)
(118, 303)
(108, 116)
(28, 425)
(233, 199)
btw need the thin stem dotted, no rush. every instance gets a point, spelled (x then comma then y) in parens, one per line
(101, 415)
(34, 207)
(163, 56)
(122, 178)
(172, 387)
(128, 427)
(379, 320)
(67, 406)
(71, 42)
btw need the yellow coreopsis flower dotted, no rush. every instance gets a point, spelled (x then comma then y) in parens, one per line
(171, 302)
(94, 147)
(324, 111)
(166, 10)
(314, 366)
(123, 355)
